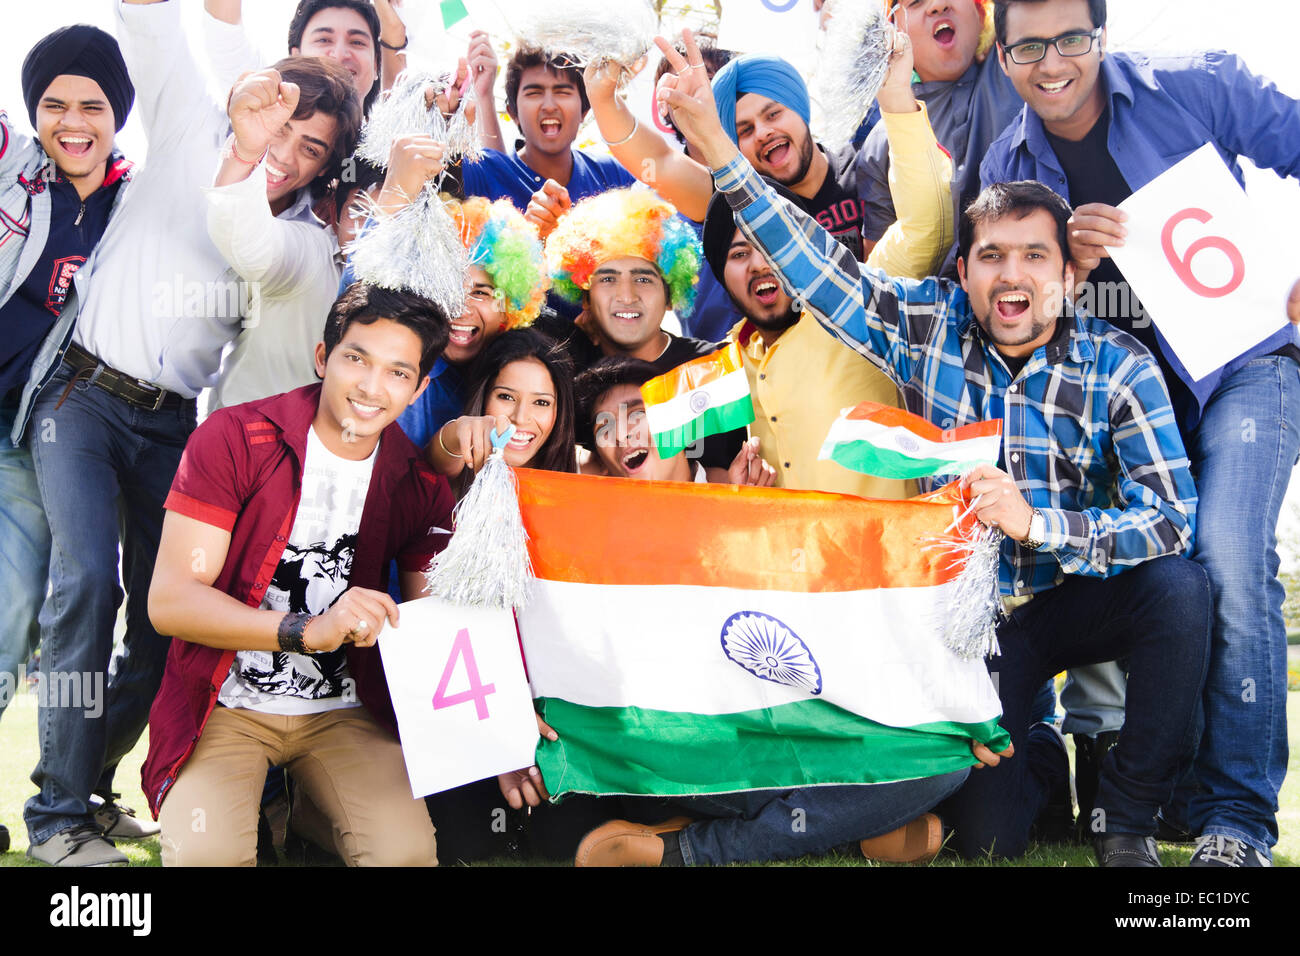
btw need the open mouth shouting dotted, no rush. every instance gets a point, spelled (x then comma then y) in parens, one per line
(1010, 306)
(776, 152)
(765, 289)
(550, 126)
(944, 33)
(635, 460)
(463, 335)
(75, 144)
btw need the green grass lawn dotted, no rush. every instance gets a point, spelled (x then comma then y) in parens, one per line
(18, 756)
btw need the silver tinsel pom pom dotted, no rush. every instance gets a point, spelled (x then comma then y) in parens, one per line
(486, 564)
(590, 31)
(855, 59)
(969, 620)
(416, 249)
(402, 112)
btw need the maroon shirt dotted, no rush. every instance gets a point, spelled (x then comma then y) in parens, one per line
(242, 472)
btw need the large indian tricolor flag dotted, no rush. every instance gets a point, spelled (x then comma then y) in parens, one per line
(705, 396)
(892, 443)
(687, 639)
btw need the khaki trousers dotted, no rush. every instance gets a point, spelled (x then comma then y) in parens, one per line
(346, 764)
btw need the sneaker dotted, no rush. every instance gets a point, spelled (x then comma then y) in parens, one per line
(1215, 849)
(1125, 849)
(4, 838)
(119, 823)
(83, 845)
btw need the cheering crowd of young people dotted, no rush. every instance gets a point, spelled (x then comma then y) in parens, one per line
(947, 265)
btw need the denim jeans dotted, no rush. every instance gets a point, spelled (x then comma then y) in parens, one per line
(104, 468)
(781, 824)
(1093, 699)
(1242, 454)
(24, 555)
(1156, 614)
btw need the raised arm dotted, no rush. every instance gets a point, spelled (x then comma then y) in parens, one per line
(282, 257)
(642, 151)
(230, 52)
(886, 320)
(171, 94)
(920, 179)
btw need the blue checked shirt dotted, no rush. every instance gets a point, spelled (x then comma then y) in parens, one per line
(1089, 434)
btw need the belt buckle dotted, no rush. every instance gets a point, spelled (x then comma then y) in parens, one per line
(162, 394)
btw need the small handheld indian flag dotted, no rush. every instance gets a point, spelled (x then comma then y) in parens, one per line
(706, 396)
(891, 443)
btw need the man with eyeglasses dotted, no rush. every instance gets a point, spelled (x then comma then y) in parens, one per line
(1096, 127)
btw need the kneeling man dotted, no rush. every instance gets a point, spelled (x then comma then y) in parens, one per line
(281, 524)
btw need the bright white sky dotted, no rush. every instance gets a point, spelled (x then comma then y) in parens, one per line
(1263, 32)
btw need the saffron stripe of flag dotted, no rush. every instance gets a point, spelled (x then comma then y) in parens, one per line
(891, 443)
(744, 638)
(705, 396)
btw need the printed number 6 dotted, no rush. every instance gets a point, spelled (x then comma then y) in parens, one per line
(1183, 265)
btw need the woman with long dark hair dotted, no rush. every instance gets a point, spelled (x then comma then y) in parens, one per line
(525, 379)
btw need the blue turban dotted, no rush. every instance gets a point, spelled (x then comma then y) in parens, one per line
(768, 76)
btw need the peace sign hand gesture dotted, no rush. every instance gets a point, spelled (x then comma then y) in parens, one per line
(688, 94)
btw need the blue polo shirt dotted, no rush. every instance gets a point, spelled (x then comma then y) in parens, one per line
(1163, 108)
(498, 176)
(442, 401)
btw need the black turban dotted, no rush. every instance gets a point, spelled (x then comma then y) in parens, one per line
(79, 50)
(720, 227)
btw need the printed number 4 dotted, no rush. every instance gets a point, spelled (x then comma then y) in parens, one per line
(478, 691)
(1183, 264)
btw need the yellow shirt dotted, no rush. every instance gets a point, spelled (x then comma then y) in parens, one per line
(802, 383)
(799, 387)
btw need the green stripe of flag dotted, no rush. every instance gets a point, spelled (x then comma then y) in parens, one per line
(611, 750)
(863, 456)
(712, 421)
(453, 11)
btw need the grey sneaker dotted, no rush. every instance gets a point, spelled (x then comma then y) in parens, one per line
(1214, 849)
(83, 845)
(119, 823)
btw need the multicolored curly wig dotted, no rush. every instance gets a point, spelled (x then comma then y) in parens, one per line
(505, 246)
(625, 222)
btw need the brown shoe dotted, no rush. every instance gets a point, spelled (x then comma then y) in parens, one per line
(915, 842)
(620, 843)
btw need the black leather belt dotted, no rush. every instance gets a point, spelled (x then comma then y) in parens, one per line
(134, 391)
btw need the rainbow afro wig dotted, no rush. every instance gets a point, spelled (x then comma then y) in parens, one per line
(505, 246)
(625, 222)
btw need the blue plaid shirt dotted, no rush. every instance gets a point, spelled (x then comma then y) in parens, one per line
(1089, 434)
(1163, 108)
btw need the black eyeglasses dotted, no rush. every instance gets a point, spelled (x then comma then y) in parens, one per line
(1067, 44)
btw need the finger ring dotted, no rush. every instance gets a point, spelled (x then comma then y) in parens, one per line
(362, 625)
(696, 66)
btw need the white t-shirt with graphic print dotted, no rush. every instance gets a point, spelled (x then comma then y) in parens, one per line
(311, 576)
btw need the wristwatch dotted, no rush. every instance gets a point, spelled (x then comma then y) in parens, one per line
(289, 633)
(1033, 540)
